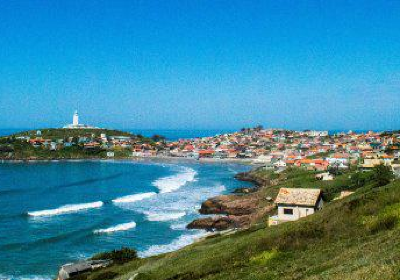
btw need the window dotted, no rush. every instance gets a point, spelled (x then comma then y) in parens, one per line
(287, 211)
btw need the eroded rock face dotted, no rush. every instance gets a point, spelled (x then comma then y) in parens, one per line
(220, 222)
(229, 221)
(230, 205)
(212, 223)
(245, 190)
(235, 210)
(250, 177)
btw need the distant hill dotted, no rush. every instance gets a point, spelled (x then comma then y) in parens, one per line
(68, 144)
(64, 133)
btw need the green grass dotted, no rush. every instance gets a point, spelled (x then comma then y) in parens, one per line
(353, 238)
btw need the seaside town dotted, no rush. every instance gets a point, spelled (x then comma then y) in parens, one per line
(272, 148)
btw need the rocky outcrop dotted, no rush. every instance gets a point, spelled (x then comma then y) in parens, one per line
(252, 177)
(230, 205)
(239, 210)
(213, 223)
(245, 190)
(229, 221)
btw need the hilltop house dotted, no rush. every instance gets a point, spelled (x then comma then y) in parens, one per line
(295, 203)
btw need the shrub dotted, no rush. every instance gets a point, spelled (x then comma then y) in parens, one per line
(118, 256)
(264, 257)
(385, 220)
(382, 175)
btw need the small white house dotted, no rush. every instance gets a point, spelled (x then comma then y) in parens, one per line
(263, 159)
(280, 163)
(295, 203)
(110, 154)
(325, 176)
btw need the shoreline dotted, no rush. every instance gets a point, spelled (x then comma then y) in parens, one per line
(138, 159)
(203, 234)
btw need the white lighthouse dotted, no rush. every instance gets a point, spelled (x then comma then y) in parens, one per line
(76, 125)
(75, 119)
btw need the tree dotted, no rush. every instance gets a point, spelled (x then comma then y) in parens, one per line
(359, 179)
(382, 175)
(259, 127)
(118, 256)
(158, 138)
(334, 168)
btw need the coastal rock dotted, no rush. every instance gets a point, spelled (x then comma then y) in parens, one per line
(245, 190)
(230, 205)
(230, 221)
(251, 177)
(211, 223)
(220, 223)
(239, 210)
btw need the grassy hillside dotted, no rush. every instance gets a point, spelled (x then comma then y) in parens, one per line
(353, 238)
(21, 149)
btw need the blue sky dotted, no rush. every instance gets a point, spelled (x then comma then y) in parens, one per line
(201, 64)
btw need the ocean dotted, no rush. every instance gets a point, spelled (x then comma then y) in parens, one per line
(53, 213)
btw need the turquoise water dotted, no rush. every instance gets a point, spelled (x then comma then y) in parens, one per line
(53, 213)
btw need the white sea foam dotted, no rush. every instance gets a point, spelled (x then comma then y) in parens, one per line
(178, 226)
(71, 208)
(174, 182)
(28, 277)
(121, 227)
(133, 197)
(163, 217)
(178, 243)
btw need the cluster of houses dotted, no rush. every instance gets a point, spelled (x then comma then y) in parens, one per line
(273, 148)
(314, 150)
(103, 142)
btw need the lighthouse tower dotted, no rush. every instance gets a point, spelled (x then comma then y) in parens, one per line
(75, 119)
(76, 125)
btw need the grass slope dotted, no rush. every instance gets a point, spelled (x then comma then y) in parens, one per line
(353, 238)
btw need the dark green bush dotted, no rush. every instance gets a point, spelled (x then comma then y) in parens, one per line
(118, 256)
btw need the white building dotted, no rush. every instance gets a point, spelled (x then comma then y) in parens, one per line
(76, 125)
(263, 159)
(295, 203)
(315, 133)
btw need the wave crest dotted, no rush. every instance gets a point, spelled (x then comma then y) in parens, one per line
(133, 197)
(121, 227)
(174, 182)
(163, 217)
(66, 209)
(176, 244)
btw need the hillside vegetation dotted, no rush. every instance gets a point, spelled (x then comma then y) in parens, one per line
(353, 238)
(12, 147)
(59, 133)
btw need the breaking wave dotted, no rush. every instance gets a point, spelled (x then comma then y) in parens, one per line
(133, 197)
(66, 209)
(29, 277)
(163, 217)
(121, 227)
(178, 226)
(174, 182)
(176, 244)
